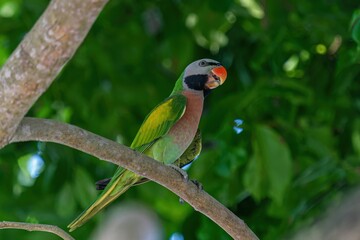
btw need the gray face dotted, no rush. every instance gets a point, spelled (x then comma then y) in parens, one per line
(201, 68)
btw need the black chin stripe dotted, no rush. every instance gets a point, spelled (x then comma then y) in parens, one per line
(196, 82)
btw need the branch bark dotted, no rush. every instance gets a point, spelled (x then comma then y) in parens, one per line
(32, 129)
(36, 227)
(41, 55)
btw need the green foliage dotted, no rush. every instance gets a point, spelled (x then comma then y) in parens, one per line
(355, 26)
(293, 71)
(271, 157)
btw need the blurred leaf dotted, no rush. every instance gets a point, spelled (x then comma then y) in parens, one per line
(355, 26)
(253, 180)
(208, 230)
(83, 188)
(269, 171)
(32, 219)
(321, 169)
(9, 9)
(355, 137)
(65, 201)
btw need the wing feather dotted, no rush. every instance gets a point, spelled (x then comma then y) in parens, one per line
(159, 121)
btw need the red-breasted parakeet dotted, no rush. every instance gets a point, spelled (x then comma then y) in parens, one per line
(169, 133)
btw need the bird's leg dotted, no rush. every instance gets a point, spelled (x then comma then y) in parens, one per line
(181, 171)
(186, 177)
(198, 184)
(184, 174)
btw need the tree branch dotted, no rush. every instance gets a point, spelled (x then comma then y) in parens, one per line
(32, 129)
(40, 56)
(36, 227)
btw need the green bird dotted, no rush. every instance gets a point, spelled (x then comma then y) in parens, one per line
(169, 133)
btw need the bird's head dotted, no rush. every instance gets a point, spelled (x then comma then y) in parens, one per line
(203, 75)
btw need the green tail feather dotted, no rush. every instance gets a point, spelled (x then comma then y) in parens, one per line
(122, 181)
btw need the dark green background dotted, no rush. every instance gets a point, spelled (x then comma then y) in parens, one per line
(293, 78)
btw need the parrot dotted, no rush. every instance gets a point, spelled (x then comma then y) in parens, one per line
(168, 134)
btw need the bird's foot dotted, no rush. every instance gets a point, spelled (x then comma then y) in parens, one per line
(181, 171)
(198, 184)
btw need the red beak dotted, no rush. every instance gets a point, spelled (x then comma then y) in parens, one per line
(221, 73)
(217, 78)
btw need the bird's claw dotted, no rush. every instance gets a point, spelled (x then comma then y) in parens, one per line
(181, 171)
(186, 177)
(198, 184)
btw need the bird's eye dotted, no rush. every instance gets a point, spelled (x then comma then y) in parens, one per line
(202, 63)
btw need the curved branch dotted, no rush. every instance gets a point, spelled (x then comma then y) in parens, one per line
(40, 56)
(36, 227)
(31, 129)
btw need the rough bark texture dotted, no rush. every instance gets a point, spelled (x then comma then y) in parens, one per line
(38, 59)
(36, 227)
(32, 129)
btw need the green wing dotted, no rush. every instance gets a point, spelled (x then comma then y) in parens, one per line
(191, 153)
(159, 121)
(156, 124)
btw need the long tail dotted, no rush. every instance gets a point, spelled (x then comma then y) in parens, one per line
(121, 181)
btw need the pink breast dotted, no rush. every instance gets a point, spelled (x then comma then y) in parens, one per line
(183, 132)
